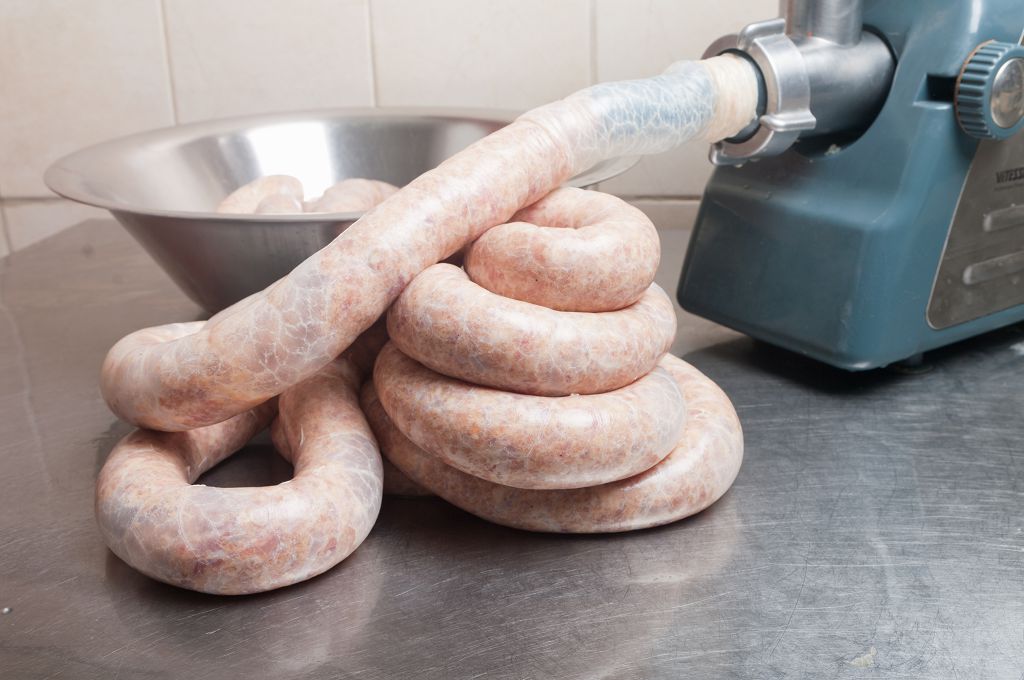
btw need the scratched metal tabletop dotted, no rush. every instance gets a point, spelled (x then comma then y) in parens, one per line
(876, 529)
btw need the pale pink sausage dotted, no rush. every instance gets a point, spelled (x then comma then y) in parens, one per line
(450, 324)
(279, 204)
(532, 442)
(395, 481)
(189, 375)
(305, 320)
(244, 540)
(352, 195)
(247, 198)
(362, 354)
(573, 250)
(698, 471)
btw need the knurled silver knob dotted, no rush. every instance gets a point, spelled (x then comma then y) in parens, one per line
(990, 91)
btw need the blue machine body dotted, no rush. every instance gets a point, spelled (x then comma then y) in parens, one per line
(833, 250)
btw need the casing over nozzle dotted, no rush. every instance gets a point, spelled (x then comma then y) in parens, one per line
(822, 72)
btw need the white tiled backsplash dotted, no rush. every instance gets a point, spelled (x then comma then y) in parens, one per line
(73, 73)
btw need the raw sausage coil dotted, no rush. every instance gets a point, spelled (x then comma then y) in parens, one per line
(232, 541)
(262, 191)
(447, 322)
(279, 204)
(207, 385)
(697, 472)
(352, 195)
(283, 195)
(527, 441)
(305, 320)
(573, 250)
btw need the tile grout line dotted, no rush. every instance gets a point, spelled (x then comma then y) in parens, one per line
(167, 61)
(592, 61)
(593, 42)
(664, 198)
(371, 45)
(3, 227)
(54, 198)
(1, 215)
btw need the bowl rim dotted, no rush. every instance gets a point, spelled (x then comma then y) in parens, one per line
(60, 174)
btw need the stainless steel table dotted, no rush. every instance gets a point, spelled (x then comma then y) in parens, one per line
(875, 531)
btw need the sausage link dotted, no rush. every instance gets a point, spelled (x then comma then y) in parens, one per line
(573, 250)
(304, 321)
(246, 199)
(395, 483)
(352, 195)
(362, 354)
(285, 341)
(450, 324)
(242, 540)
(698, 471)
(279, 204)
(527, 441)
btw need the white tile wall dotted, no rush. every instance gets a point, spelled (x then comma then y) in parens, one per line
(232, 57)
(637, 38)
(481, 53)
(668, 213)
(73, 73)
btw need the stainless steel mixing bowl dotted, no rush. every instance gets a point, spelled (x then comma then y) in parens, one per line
(163, 185)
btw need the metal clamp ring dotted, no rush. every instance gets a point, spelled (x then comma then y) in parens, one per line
(787, 111)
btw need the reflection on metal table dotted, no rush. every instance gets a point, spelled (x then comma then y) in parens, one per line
(876, 529)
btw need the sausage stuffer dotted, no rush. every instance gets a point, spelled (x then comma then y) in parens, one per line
(876, 208)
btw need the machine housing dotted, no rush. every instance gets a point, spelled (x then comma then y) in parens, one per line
(861, 248)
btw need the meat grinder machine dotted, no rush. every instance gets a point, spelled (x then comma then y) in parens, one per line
(875, 210)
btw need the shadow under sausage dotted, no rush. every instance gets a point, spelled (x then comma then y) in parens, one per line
(287, 632)
(105, 442)
(256, 464)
